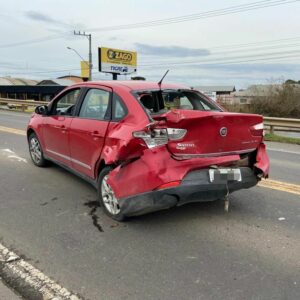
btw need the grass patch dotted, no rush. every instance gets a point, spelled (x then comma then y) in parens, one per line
(281, 139)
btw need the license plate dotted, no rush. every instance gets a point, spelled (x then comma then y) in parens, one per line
(224, 175)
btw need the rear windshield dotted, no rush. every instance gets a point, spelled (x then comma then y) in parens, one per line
(161, 101)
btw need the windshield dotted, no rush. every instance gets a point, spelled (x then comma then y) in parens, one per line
(161, 101)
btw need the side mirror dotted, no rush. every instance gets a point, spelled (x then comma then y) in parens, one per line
(41, 110)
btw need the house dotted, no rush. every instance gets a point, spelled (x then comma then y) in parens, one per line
(253, 92)
(217, 93)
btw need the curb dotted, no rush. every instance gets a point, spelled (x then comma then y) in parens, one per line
(28, 281)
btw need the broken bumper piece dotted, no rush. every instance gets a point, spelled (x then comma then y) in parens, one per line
(195, 187)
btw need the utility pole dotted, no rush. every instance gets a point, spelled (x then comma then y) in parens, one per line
(89, 36)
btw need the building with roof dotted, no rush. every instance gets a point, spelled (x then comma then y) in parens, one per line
(73, 78)
(217, 93)
(61, 82)
(7, 80)
(23, 89)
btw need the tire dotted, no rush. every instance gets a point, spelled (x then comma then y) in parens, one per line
(35, 151)
(107, 198)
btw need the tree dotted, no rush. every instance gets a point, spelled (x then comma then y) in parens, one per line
(280, 101)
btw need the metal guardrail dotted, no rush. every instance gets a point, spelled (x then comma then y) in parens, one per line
(271, 122)
(24, 104)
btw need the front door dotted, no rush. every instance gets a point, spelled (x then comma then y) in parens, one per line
(56, 127)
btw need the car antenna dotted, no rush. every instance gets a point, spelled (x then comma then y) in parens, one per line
(160, 82)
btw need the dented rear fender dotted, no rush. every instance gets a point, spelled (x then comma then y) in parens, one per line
(120, 145)
(157, 167)
(262, 160)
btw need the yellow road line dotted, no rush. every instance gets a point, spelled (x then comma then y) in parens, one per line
(280, 186)
(12, 130)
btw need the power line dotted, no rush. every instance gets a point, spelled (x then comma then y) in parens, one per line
(33, 41)
(46, 72)
(220, 59)
(208, 14)
(231, 46)
(237, 60)
(185, 18)
(214, 58)
(259, 45)
(231, 61)
(223, 53)
(290, 39)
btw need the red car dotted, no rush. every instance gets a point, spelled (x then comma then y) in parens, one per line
(148, 146)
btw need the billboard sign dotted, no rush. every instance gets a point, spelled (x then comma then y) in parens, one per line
(85, 69)
(117, 61)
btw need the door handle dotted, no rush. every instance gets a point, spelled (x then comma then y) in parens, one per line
(63, 128)
(95, 134)
(60, 126)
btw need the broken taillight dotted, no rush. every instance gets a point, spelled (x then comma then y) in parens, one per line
(159, 136)
(153, 137)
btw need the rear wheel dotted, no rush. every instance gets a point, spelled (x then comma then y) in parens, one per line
(107, 197)
(35, 150)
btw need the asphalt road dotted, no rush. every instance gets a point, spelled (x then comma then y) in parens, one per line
(6, 293)
(192, 252)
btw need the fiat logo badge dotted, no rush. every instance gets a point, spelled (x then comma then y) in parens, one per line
(223, 131)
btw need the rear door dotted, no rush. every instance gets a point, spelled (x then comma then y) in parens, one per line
(88, 130)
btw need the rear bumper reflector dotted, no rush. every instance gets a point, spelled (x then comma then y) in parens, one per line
(169, 185)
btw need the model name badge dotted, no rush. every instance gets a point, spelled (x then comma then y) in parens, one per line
(250, 142)
(183, 146)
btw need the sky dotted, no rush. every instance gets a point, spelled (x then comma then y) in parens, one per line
(217, 42)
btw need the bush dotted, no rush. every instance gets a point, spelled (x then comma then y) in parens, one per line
(280, 101)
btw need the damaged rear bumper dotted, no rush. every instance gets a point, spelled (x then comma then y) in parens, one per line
(195, 187)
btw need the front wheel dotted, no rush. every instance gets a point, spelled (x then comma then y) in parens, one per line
(35, 150)
(107, 197)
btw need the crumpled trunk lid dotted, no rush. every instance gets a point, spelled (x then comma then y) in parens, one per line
(213, 133)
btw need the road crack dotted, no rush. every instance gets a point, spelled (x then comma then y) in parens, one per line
(94, 206)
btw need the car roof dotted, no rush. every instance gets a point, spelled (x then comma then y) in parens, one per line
(133, 84)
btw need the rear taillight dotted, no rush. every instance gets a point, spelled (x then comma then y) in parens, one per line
(159, 136)
(257, 129)
(259, 126)
(176, 133)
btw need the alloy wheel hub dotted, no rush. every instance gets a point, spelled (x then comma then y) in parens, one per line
(109, 198)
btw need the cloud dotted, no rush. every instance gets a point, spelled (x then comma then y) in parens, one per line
(171, 51)
(113, 38)
(269, 68)
(41, 17)
(241, 75)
